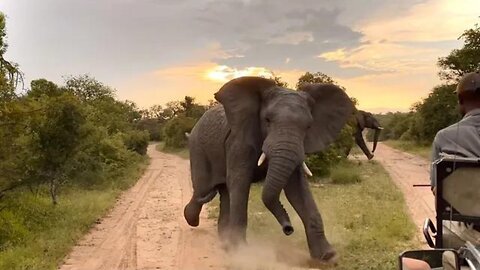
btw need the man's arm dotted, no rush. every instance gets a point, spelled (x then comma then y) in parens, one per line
(434, 156)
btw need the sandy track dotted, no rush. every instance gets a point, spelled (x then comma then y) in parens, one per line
(406, 170)
(146, 229)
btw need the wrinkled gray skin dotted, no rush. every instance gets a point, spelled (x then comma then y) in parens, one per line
(366, 120)
(255, 115)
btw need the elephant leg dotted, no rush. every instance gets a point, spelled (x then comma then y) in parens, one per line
(239, 192)
(203, 189)
(300, 197)
(224, 215)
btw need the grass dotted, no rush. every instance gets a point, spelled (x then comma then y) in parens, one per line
(367, 222)
(181, 152)
(411, 147)
(345, 174)
(39, 235)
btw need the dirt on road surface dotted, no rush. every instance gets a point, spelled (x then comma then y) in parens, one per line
(146, 229)
(406, 170)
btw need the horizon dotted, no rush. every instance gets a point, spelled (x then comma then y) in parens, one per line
(383, 52)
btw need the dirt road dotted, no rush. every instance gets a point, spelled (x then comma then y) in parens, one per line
(405, 170)
(146, 230)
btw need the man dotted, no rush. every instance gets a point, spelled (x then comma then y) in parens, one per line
(461, 139)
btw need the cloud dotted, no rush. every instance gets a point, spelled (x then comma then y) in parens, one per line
(198, 79)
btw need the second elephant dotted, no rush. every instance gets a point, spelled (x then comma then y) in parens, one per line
(366, 120)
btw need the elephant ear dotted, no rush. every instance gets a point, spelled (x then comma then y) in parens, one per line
(331, 111)
(360, 118)
(242, 99)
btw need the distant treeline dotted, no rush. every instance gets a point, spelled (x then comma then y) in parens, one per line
(440, 108)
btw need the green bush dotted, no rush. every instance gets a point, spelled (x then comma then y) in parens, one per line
(137, 141)
(321, 163)
(174, 131)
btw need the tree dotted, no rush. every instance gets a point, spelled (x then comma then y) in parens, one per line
(10, 74)
(155, 111)
(464, 60)
(58, 137)
(278, 80)
(317, 77)
(174, 131)
(87, 88)
(437, 111)
(43, 87)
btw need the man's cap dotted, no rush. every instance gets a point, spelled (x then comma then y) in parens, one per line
(469, 82)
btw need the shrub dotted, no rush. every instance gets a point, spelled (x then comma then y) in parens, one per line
(174, 131)
(321, 163)
(137, 141)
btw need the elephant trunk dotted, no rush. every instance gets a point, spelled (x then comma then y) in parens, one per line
(280, 168)
(361, 143)
(375, 138)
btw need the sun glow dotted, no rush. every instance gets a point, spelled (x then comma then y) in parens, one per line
(222, 73)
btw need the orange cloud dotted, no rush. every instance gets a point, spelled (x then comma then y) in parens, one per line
(200, 80)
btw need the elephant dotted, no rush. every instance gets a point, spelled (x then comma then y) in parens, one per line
(261, 131)
(364, 120)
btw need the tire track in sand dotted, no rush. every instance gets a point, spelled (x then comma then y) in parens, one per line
(146, 229)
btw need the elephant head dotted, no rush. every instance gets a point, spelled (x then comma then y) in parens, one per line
(366, 120)
(279, 126)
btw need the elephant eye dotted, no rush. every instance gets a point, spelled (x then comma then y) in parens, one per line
(267, 119)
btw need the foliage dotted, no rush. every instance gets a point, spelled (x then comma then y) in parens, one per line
(317, 77)
(464, 60)
(278, 80)
(412, 147)
(154, 119)
(174, 131)
(36, 235)
(321, 163)
(437, 111)
(137, 141)
(9, 72)
(427, 117)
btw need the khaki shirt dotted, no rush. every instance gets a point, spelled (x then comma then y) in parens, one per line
(460, 139)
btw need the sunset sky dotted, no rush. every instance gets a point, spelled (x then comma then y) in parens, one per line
(383, 51)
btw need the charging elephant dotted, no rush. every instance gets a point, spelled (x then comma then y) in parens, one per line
(366, 120)
(262, 131)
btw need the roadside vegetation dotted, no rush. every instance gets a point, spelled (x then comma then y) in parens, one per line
(422, 150)
(66, 153)
(415, 130)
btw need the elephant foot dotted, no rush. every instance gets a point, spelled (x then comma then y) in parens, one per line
(330, 258)
(192, 213)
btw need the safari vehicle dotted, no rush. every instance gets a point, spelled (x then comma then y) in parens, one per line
(457, 199)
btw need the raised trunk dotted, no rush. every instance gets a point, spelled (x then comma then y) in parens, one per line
(361, 143)
(375, 139)
(279, 171)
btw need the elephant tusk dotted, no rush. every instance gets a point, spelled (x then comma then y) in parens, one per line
(306, 169)
(380, 128)
(261, 159)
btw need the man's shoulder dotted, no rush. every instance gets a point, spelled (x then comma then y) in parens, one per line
(448, 131)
